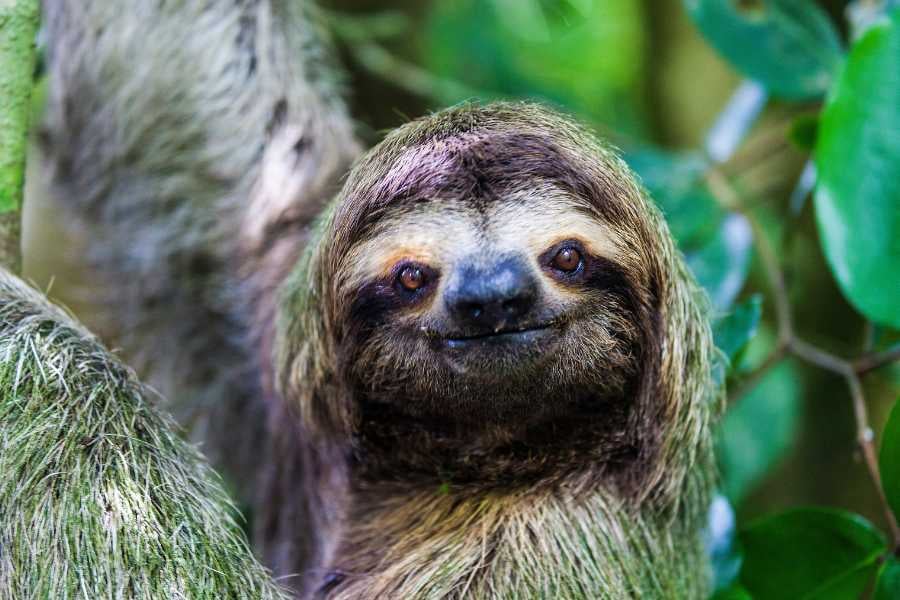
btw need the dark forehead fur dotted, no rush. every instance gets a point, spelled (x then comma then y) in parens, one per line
(479, 154)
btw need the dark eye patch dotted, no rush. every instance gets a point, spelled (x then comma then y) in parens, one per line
(594, 272)
(374, 301)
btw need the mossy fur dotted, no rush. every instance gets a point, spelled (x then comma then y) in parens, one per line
(100, 497)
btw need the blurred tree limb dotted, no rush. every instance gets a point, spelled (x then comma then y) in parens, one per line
(18, 25)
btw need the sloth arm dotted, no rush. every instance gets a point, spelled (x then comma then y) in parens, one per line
(99, 496)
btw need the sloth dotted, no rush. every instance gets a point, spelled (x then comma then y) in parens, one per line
(501, 370)
(481, 371)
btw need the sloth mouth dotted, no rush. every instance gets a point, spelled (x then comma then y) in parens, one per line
(519, 335)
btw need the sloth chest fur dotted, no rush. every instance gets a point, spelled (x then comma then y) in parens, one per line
(435, 544)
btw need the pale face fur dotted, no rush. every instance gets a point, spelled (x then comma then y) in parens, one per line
(423, 370)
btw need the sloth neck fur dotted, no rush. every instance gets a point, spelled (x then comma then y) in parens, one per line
(570, 540)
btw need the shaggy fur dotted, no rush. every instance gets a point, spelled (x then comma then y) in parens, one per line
(377, 469)
(99, 497)
(192, 142)
(450, 488)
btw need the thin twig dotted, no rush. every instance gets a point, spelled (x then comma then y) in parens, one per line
(864, 434)
(730, 199)
(876, 360)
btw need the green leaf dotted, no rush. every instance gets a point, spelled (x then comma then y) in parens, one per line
(889, 459)
(721, 265)
(758, 430)
(804, 131)
(809, 553)
(790, 46)
(735, 592)
(849, 585)
(858, 159)
(887, 586)
(734, 330)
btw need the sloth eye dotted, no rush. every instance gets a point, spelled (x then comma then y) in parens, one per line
(568, 259)
(411, 278)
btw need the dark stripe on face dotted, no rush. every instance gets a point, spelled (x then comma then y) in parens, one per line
(593, 272)
(375, 301)
(605, 275)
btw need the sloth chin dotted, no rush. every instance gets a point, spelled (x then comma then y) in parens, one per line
(500, 352)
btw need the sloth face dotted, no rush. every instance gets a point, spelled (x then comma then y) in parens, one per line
(492, 297)
(511, 301)
(488, 297)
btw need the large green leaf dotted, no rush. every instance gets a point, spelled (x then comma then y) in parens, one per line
(887, 587)
(809, 553)
(847, 586)
(790, 46)
(889, 459)
(758, 430)
(858, 158)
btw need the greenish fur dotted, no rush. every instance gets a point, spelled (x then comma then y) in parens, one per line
(99, 496)
(530, 545)
(191, 143)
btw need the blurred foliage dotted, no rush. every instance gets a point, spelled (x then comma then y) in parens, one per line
(551, 50)
(722, 545)
(735, 330)
(809, 553)
(758, 430)
(888, 586)
(790, 46)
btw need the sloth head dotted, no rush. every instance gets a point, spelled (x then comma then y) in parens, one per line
(492, 283)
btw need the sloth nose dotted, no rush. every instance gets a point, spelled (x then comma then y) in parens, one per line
(493, 297)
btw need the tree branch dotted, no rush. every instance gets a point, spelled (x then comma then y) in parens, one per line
(730, 199)
(18, 26)
(876, 360)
